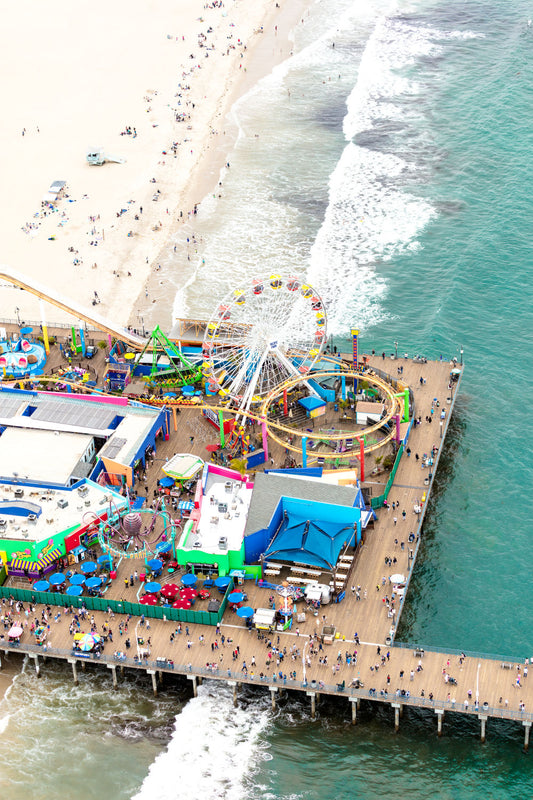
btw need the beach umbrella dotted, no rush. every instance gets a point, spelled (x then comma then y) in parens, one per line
(87, 641)
(105, 559)
(397, 578)
(76, 579)
(57, 579)
(245, 612)
(163, 547)
(74, 591)
(152, 587)
(188, 592)
(189, 579)
(169, 591)
(182, 604)
(148, 600)
(155, 564)
(15, 631)
(93, 583)
(88, 566)
(222, 583)
(166, 482)
(235, 597)
(41, 586)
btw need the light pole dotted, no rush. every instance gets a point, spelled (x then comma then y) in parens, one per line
(17, 312)
(461, 355)
(395, 350)
(477, 683)
(303, 662)
(441, 429)
(141, 320)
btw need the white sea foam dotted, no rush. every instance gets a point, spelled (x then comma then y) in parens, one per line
(213, 748)
(370, 217)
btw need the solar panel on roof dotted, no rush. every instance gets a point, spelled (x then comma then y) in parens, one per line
(80, 415)
(114, 447)
(9, 404)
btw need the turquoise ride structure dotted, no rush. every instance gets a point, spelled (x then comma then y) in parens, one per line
(21, 357)
(125, 535)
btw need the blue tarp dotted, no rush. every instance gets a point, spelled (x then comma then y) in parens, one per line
(311, 402)
(316, 543)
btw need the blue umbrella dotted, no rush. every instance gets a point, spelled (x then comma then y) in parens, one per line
(222, 583)
(236, 597)
(41, 586)
(155, 564)
(88, 566)
(152, 587)
(74, 590)
(56, 579)
(245, 612)
(76, 579)
(163, 547)
(166, 482)
(170, 394)
(105, 559)
(93, 583)
(189, 580)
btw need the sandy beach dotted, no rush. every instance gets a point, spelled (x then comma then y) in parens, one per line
(149, 84)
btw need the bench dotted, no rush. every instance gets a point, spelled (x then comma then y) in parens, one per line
(506, 665)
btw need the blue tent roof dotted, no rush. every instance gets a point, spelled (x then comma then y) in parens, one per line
(313, 542)
(311, 402)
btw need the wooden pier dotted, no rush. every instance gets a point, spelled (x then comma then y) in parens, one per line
(391, 673)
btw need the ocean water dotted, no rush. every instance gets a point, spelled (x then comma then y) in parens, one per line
(393, 171)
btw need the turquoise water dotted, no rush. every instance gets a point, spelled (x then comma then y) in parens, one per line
(394, 171)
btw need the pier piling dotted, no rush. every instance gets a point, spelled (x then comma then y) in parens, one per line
(527, 729)
(354, 702)
(233, 684)
(483, 719)
(194, 682)
(152, 672)
(273, 693)
(36, 662)
(440, 715)
(113, 669)
(397, 712)
(74, 670)
(312, 695)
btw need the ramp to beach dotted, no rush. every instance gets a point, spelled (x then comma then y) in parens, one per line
(77, 310)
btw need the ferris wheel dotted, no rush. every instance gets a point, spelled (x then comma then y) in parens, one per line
(261, 335)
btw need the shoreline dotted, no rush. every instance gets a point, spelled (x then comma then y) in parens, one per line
(270, 49)
(101, 242)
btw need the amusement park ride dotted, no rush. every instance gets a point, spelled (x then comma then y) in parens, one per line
(262, 335)
(129, 536)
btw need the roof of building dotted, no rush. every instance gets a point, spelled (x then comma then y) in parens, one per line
(40, 513)
(269, 488)
(40, 456)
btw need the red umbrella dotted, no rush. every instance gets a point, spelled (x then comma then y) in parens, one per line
(181, 604)
(203, 594)
(148, 600)
(170, 590)
(187, 593)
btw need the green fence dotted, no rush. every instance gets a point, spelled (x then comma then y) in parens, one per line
(377, 502)
(119, 606)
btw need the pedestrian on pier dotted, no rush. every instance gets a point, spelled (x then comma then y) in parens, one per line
(394, 519)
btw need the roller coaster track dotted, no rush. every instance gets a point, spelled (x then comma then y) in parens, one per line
(77, 310)
(275, 429)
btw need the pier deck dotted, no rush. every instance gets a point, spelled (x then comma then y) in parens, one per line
(487, 684)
